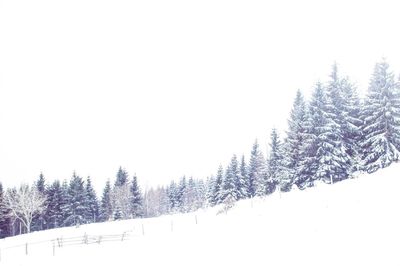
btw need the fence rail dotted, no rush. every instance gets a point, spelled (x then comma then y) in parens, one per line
(69, 241)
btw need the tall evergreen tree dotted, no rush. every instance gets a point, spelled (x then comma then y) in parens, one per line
(294, 141)
(106, 210)
(244, 176)
(381, 115)
(256, 174)
(54, 212)
(39, 221)
(352, 124)
(122, 177)
(275, 166)
(92, 205)
(5, 220)
(217, 193)
(230, 186)
(78, 200)
(314, 121)
(137, 199)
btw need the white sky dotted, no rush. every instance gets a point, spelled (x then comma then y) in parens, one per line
(167, 88)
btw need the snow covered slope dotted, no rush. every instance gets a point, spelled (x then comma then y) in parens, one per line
(355, 222)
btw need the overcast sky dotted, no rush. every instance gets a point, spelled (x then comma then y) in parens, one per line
(168, 88)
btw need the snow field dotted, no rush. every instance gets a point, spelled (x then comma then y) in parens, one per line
(355, 222)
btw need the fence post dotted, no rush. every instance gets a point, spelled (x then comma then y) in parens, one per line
(99, 240)
(54, 248)
(123, 235)
(26, 248)
(195, 218)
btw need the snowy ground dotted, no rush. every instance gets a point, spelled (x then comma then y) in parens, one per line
(355, 222)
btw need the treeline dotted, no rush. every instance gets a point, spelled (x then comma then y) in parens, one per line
(330, 137)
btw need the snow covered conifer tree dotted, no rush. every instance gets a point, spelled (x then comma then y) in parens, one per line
(294, 141)
(351, 124)
(314, 121)
(244, 177)
(256, 170)
(381, 115)
(92, 210)
(122, 177)
(230, 184)
(217, 193)
(136, 199)
(53, 213)
(275, 167)
(78, 201)
(106, 210)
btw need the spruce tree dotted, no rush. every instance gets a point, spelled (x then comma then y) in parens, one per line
(137, 199)
(78, 200)
(275, 166)
(92, 205)
(244, 176)
(39, 220)
(54, 212)
(381, 116)
(122, 177)
(231, 183)
(106, 210)
(294, 141)
(257, 174)
(313, 122)
(217, 193)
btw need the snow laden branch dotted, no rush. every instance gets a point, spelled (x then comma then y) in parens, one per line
(24, 203)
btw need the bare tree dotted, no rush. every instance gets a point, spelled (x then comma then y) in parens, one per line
(24, 203)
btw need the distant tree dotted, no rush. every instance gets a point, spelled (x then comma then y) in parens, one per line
(92, 204)
(275, 165)
(106, 210)
(77, 203)
(5, 217)
(256, 171)
(39, 220)
(217, 192)
(24, 203)
(244, 179)
(136, 199)
(122, 177)
(54, 212)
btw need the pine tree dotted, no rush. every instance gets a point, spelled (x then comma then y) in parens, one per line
(78, 207)
(181, 195)
(230, 185)
(217, 196)
(92, 205)
(65, 204)
(210, 184)
(5, 220)
(244, 179)
(54, 212)
(313, 122)
(136, 200)
(173, 197)
(352, 124)
(257, 174)
(294, 141)
(275, 166)
(122, 177)
(381, 115)
(106, 210)
(39, 220)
